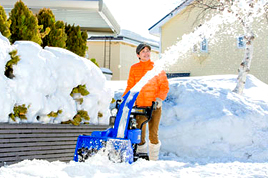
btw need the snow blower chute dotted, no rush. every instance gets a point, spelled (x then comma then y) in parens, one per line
(119, 142)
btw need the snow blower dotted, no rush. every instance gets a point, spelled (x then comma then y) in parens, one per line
(120, 141)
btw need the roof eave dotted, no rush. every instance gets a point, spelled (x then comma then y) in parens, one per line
(108, 17)
(97, 6)
(155, 29)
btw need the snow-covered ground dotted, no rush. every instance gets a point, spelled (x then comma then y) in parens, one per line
(206, 131)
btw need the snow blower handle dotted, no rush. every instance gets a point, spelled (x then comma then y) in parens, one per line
(114, 112)
(149, 113)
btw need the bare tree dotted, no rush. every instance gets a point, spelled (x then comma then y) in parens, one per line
(244, 11)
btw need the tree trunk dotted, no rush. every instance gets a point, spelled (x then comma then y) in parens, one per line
(245, 65)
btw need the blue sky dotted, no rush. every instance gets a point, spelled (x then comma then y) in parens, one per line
(139, 15)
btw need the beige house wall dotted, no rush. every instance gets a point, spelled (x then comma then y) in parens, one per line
(123, 55)
(223, 57)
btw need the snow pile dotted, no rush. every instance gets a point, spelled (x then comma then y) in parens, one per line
(203, 120)
(44, 79)
(206, 130)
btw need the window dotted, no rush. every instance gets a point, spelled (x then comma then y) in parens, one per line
(204, 45)
(240, 42)
(173, 75)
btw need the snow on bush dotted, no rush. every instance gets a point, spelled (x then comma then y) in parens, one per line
(44, 80)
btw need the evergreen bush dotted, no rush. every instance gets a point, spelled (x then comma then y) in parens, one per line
(81, 114)
(24, 25)
(54, 114)
(76, 40)
(94, 61)
(9, 65)
(78, 118)
(56, 36)
(19, 111)
(100, 114)
(80, 89)
(4, 23)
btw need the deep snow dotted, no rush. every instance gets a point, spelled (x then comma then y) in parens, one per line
(44, 79)
(206, 131)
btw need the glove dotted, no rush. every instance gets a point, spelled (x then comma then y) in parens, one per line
(158, 102)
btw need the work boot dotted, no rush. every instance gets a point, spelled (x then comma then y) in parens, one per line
(154, 151)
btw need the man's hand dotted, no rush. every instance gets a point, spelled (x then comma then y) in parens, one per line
(158, 102)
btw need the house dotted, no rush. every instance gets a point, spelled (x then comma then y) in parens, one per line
(205, 57)
(118, 53)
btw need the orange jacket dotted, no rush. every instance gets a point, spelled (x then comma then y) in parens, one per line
(157, 87)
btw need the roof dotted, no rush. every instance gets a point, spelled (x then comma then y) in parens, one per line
(155, 29)
(127, 37)
(90, 15)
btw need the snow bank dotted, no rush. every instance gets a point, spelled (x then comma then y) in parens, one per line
(44, 79)
(203, 120)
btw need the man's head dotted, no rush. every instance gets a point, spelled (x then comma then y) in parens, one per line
(143, 51)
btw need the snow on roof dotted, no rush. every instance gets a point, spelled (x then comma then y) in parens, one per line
(129, 37)
(106, 71)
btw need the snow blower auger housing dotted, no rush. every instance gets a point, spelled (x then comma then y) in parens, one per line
(119, 142)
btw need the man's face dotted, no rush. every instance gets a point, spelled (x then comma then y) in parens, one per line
(145, 54)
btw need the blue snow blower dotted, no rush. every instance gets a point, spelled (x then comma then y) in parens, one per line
(119, 142)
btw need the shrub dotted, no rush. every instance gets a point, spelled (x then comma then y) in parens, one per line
(4, 23)
(78, 118)
(94, 61)
(100, 114)
(80, 89)
(24, 25)
(9, 65)
(54, 114)
(76, 40)
(19, 111)
(56, 36)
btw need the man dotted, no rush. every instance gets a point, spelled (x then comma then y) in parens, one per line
(155, 90)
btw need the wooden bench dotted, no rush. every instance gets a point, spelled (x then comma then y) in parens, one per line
(40, 141)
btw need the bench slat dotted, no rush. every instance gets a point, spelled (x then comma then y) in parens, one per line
(39, 144)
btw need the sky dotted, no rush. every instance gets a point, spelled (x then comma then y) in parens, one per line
(139, 15)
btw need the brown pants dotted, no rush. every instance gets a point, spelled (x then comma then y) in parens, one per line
(153, 126)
